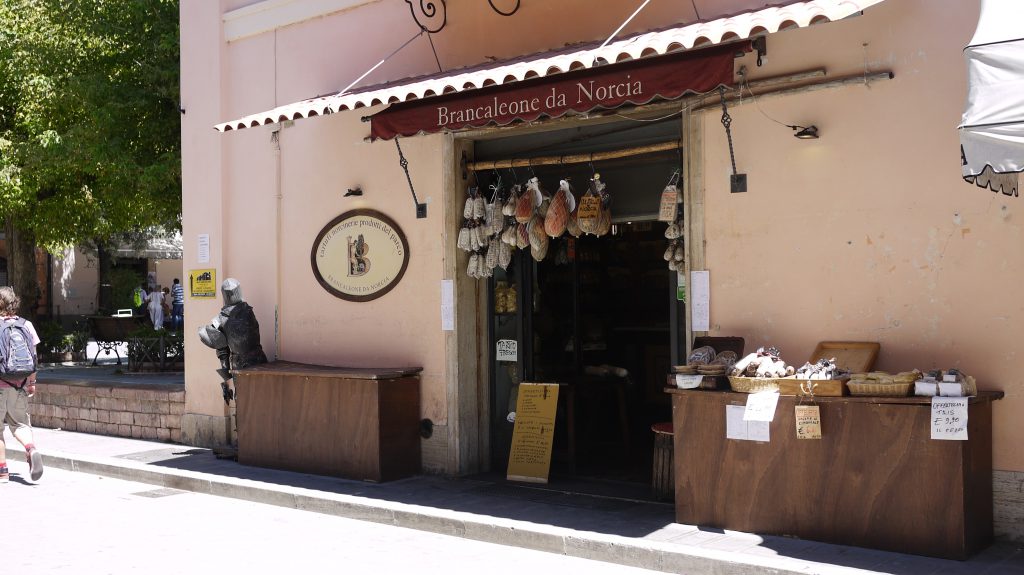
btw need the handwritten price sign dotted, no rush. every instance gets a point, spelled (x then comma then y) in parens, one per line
(949, 418)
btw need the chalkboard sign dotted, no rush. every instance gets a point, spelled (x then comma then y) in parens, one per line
(530, 457)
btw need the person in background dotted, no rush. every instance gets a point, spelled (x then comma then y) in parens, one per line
(177, 305)
(139, 299)
(166, 305)
(156, 308)
(14, 394)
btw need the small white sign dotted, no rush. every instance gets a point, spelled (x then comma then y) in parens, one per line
(758, 431)
(737, 428)
(761, 406)
(508, 350)
(949, 418)
(203, 248)
(448, 305)
(700, 300)
(688, 381)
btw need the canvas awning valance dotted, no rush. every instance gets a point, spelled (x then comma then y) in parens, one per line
(992, 130)
(641, 47)
(581, 91)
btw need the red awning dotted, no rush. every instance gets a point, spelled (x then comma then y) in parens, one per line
(605, 87)
(638, 48)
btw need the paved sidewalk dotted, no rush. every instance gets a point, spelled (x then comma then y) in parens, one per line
(634, 533)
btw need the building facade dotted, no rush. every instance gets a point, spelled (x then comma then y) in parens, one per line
(867, 233)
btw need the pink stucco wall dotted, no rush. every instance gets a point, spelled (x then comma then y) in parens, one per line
(869, 233)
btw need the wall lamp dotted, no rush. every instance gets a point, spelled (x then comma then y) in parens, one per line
(806, 133)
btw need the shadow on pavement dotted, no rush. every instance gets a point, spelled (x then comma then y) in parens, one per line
(489, 496)
(607, 515)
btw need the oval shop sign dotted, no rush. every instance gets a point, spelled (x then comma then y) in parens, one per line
(360, 255)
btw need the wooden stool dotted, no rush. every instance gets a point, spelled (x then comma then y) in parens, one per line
(662, 476)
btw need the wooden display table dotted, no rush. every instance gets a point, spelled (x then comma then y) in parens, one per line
(343, 422)
(875, 479)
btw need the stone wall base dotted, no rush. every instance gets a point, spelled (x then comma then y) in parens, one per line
(151, 412)
(201, 430)
(1008, 503)
(434, 452)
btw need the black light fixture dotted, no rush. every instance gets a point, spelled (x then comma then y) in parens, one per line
(806, 133)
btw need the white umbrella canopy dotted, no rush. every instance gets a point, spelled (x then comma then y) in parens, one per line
(992, 130)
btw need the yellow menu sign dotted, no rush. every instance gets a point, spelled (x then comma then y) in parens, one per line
(202, 283)
(530, 458)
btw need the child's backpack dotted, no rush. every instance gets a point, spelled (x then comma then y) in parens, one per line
(17, 353)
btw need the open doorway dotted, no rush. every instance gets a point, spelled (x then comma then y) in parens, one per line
(595, 315)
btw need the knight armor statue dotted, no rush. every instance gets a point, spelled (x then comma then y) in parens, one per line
(234, 334)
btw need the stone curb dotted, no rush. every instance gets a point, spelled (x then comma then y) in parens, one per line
(644, 554)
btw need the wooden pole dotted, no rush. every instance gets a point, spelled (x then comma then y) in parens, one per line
(734, 98)
(573, 158)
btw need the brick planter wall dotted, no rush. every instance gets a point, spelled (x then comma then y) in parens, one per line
(148, 411)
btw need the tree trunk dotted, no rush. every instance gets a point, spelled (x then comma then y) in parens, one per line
(105, 298)
(21, 268)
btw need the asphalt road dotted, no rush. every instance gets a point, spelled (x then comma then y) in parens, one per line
(85, 524)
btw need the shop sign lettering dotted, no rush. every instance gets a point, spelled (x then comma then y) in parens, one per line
(601, 87)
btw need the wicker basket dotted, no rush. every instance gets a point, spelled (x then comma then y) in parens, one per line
(970, 387)
(754, 384)
(880, 389)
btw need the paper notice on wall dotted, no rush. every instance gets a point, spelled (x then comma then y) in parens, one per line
(761, 406)
(949, 418)
(448, 305)
(203, 248)
(700, 300)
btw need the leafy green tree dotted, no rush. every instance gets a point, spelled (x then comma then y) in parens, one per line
(89, 126)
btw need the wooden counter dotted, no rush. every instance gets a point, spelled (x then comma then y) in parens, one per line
(875, 479)
(343, 422)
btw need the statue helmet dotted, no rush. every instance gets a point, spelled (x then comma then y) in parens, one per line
(232, 291)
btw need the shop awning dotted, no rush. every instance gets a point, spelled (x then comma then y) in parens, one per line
(650, 45)
(992, 130)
